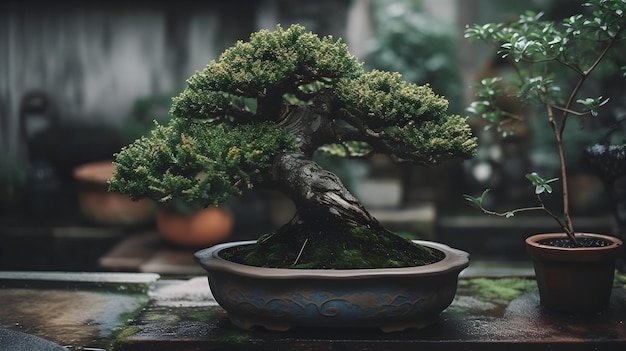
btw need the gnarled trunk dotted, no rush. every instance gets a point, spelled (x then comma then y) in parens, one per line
(320, 197)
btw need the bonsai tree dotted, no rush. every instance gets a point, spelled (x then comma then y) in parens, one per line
(551, 62)
(254, 119)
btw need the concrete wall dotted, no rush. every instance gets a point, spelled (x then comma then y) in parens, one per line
(95, 59)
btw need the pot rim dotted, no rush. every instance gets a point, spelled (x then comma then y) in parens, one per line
(535, 248)
(534, 240)
(454, 260)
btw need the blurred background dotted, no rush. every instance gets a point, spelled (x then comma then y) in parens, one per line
(79, 80)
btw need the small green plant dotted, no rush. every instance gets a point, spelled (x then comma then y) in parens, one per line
(551, 63)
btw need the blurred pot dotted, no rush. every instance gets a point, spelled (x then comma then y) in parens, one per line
(202, 227)
(100, 206)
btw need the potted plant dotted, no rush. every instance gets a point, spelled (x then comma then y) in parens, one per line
(551, 62)
(254, 119)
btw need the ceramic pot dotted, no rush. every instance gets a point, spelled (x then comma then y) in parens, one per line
(100, 206)
(392, 299)
(574, 279)
(200, 228)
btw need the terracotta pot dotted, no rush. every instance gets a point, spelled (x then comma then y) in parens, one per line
(99, 205)
(392, 299)
(574, 279)
(201, 228)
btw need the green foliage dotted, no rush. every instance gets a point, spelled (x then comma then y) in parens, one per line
(592, 104)
(198, 162)
(488, 91)
(284, 91)
(348, 148)
(546, 55)
(541, 185)
(477, 200)
(269, 65)
(412, 113)
(383, 97)
(442, 140)
(252, 79)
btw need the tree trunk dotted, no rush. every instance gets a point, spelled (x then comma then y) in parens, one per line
(319, 195)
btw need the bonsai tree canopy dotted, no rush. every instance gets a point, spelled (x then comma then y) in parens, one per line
(255, 117)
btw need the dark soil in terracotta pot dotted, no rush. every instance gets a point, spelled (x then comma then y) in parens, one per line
(582, 242)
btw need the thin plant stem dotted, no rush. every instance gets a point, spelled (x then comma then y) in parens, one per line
(295, 262)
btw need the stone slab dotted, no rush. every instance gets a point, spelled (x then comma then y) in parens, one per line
(181, 314)
(470, 323)
(79, 311)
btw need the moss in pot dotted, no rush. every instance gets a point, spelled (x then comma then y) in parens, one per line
(551, 62)
(254, 119)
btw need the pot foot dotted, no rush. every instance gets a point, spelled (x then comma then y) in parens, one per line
(395, 328)
(251, 324)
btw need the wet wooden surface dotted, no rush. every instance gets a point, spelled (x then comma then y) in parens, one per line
(139, 312)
